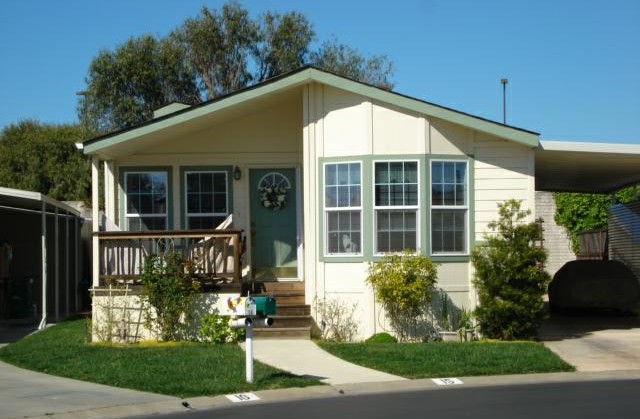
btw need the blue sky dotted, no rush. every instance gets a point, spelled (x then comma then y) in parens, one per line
(573, 65)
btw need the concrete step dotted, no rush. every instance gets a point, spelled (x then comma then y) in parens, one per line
(285, 333)
(289, 300)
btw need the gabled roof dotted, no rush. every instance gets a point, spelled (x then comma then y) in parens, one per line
(301, 77)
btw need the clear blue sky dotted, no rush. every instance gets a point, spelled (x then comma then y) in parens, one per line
(573, 65)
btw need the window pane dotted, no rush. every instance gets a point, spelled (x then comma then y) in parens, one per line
(448, 173)
(146, 183)
(220, 202)
(343, 196)
(437, 194)
(193, 182)
(330, 174)
(382, 195)
(331, 196)
(382, 173)
(460, 195)
(193, 203)
(133, 203)
(395, 172)
(206, 203)
(411, 195)
(133, 182)
(146, 204)
(411, 172)
(354, 173)
(396, 195)
(436, 172)
(220, 182)
(343, 174)
(159, 205)
(449, 197)
(461, 170)
(354, 194)
(383, 242)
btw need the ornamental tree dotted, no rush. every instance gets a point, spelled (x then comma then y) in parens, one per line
(509, 277)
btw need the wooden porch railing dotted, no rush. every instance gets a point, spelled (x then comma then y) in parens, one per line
(218, 253)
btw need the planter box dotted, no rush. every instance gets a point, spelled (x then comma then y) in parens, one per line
(450, 336)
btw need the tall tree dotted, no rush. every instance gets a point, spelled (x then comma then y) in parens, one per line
(126, 85)
(284, 44)
(43, 158)
(346, 61)
(217, 46)
(212, 54)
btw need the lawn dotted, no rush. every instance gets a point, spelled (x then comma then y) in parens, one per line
(183, 369)
(447, 359)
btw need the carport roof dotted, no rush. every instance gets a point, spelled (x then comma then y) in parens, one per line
(563, 166)
(26, 200)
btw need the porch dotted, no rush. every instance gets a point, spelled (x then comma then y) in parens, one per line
(216, 255)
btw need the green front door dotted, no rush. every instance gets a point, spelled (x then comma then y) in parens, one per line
(274, 224)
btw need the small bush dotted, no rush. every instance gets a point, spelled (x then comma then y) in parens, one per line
(404, 285)
(168, 289)
(215, 328)
(336, 320)
(382, 338)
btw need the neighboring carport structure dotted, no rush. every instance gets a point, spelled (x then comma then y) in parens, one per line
(597, 168)
(563, 166)
(41, 257)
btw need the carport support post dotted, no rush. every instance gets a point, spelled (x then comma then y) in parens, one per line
(56, 229)
(43, 321)
(67, 253)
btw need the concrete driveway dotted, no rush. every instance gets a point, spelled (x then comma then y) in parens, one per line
(594, 343)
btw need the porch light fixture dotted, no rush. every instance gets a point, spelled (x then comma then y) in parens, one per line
(237, 173)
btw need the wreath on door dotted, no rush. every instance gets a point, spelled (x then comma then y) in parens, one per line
(273, 188)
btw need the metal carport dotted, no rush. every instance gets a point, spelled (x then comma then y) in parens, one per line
(45, 257)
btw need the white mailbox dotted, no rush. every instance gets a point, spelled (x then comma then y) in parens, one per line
(241, 306)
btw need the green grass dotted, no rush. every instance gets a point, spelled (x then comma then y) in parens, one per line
(184, 369)
(445, 359)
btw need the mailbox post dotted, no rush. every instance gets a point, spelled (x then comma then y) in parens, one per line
(246, 310)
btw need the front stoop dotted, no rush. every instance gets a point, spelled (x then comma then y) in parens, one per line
(293, 319)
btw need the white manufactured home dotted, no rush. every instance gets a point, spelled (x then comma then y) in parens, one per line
(312, 177)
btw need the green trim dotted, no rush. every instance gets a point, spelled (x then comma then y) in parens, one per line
(424, 208)
(306, 76)
(183, 169)
(121, 190)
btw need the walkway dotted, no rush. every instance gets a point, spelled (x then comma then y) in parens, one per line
(303, 357)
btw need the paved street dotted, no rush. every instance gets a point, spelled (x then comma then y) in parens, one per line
(598, 399)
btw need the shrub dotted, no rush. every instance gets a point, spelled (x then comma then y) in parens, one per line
(509, 277)
(169, 289)
(336, 318)
(403, 284)
(215, 328)
(382, 338)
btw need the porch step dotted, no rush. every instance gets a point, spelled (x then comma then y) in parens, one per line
(284, 333)
(292, 309)
(293, 317)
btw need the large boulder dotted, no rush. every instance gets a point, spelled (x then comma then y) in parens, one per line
(594, 285)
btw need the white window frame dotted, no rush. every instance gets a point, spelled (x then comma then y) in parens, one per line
(377, 208)
(187, 214)
(129, 215)
(464, 208)
(328, 210)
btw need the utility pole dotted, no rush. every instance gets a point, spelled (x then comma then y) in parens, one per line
(504, 100)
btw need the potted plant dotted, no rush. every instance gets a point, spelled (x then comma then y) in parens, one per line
(446, 333)
(466, 330)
